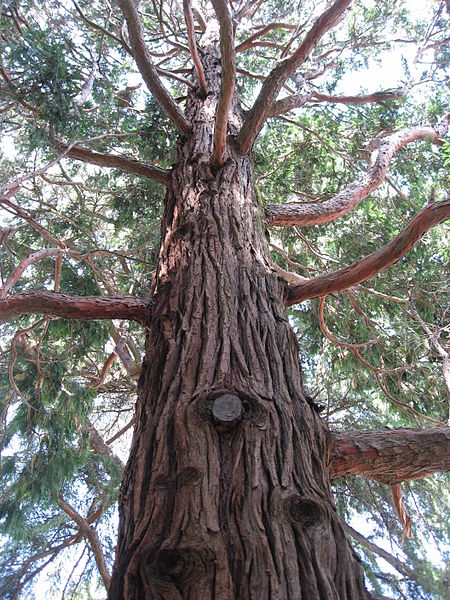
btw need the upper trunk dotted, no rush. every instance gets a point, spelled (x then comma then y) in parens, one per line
(224, 497)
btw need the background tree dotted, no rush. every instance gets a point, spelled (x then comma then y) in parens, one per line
(339, 177)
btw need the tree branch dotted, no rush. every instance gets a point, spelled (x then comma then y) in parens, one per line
(304, 215)
(390, 456)
(74, 307)
(258, 113)
(286, 104)
(130, 165)
(189, 19)
(31, 259)
(392, 560)
(367, 267)
(100, 447)
(228, 80)
(246, 44)
(91, 535)
(148, 71)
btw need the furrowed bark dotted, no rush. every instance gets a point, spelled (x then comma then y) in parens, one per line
(74, 307)
(147, 69)
(226, 494)
(286, 104)
(189, 19)
(391, 456)
(367, 267)
(304, 215)
(258, 113)
(129, 165)
(228, 80)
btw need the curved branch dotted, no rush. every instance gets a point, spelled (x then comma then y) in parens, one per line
(130, 165)
(258, 113)
(304, 215)
(29, 260)
(74, 307)
(189, 19)
(286, 104)
(147, 69)
(367, 267)
(228, 80)
(390, 456)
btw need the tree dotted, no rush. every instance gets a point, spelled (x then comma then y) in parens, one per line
(226, 492)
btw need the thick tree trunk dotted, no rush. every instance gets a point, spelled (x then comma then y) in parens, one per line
(226, 492)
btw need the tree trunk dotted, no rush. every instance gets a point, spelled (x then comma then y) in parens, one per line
(226, 492)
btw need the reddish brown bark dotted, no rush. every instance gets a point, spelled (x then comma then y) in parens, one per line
(74, 307)
(129, 165)
(226, 494)
(391, 456)
(367, 267)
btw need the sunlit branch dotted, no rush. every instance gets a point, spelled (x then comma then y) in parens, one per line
(112, 161)
(74, 307)
(303, 215)
(29, 260)
(91, 535)
(286, 104)
(367, 267)
(275, 80)
(248, 43)
(147, 69)
(188, 17)
(228, 79)
(390, 456)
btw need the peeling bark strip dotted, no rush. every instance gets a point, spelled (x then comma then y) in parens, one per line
(147, 69)
(129, 165)
(391, 456)
(303, 215)
(363, 269)
(74, 307)
(226, 493)
(275, 80)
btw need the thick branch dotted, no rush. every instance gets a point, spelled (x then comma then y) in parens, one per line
(228, 79)
(74, 307)
(189, 19)
(256, 116)
(129, 165)
(367, 267)
(391, 456)
(303, 215)
(392, 560)
(147, 69)
(92, 536)
(286, 104)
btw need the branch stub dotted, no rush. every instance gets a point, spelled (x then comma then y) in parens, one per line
(227, 410)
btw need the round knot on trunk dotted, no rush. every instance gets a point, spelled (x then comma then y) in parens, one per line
(227, 410)
(304, 511)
